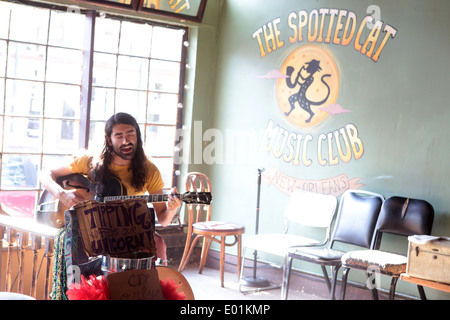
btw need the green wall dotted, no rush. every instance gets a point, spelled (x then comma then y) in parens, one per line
(397, 107)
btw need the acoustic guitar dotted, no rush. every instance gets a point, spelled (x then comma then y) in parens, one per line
(50, 211)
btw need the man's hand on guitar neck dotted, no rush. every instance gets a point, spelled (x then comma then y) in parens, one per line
(166, 211)
(173, 202)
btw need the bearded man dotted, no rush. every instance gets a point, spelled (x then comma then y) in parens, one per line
(123, 158)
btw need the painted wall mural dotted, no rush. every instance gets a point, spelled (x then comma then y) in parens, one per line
(307, 92)
(340, 30)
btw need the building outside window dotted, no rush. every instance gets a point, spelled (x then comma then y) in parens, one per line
(138, 68)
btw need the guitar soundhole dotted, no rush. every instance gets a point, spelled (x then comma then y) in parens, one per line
(111, 188)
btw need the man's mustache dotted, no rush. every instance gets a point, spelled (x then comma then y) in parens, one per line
(127, 145)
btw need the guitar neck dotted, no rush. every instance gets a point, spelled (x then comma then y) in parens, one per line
(147, 197)
(78, 181)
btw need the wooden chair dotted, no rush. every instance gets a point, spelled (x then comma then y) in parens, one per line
(209, 230)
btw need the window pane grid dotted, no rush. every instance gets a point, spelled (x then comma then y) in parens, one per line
(142, 76)
(41, 69)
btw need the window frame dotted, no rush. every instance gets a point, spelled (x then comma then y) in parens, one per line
(87, 86)
(138, 6)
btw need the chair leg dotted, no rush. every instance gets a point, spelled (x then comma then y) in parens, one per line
(286, 277)
(222, 259)
(344, 282)
(392, 289)
(189, 252)
(204, 254)
(333, 282)
(191, 249)
(422, 294)
(242, 269)
(239, 240)
(325, 275)
(185, 257)
(374, 292)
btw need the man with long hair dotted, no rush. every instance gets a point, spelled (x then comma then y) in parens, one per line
(122, 158)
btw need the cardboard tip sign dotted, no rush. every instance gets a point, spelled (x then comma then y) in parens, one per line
(116, 227)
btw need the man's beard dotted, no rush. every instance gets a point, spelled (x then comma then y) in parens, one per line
(123, 153)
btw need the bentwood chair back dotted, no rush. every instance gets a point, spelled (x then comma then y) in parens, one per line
(200, 225)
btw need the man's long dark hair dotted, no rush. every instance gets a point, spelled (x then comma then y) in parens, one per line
(100, 173)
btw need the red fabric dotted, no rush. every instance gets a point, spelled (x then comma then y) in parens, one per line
(96, 288)
(169, 289)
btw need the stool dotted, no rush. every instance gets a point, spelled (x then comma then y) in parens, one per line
(212, 229)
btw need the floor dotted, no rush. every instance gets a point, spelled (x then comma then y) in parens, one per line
(206, 286)
(306, 293)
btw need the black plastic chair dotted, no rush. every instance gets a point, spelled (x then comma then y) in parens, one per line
(355, 224)
(401, 216)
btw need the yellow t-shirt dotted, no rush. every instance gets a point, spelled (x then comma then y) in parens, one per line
(154, 179)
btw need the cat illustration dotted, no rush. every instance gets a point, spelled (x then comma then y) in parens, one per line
(306, 75)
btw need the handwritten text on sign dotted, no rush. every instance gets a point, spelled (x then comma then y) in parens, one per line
(135, 285)
(116, 227)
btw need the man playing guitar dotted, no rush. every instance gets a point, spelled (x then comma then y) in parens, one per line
(123, 158)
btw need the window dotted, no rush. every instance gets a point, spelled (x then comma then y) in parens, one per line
(184, 9)
(137, 68)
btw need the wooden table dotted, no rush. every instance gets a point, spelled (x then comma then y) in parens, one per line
(426, 283)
